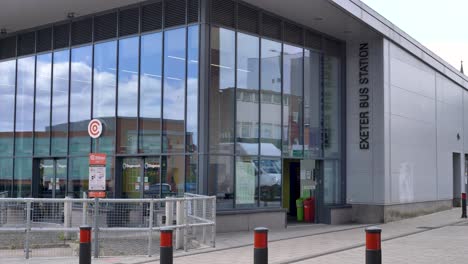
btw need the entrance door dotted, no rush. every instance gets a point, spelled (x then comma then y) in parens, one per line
(52, 178)
(141, 178)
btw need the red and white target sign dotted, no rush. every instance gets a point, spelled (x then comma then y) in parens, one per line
(95, 128)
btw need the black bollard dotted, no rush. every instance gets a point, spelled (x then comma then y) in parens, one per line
(166, 255)
(85, 245)
(373, 245)
(261, 245)
(463, 205)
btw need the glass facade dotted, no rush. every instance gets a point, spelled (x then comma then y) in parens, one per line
(145, 91)
(267, 100)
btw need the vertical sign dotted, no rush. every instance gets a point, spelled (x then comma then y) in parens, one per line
(97, 175)
(364, 97)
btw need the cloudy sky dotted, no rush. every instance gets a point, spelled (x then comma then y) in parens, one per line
(441, 26)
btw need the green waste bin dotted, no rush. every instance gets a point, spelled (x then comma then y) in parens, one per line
(300, 209)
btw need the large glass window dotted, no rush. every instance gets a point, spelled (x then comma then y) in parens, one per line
(221, 93)
(42, 112)
(191, 174)
(270, 182)
(105, 63)
(331, 101)
(80, 99)
(60, 82)
(150, 93)
(24, 106)
(192, 90)
(270, 98)
(7, 106)
(23, 177)
(6, 177)
(78, 174)
(221, 180)
(247, 93)
(246, 182)
(174, 91)
(127, 134)
(312, 105)
(292, 101)
(332, 182)
(173, 173)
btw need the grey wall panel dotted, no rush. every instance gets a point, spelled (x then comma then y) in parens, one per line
(365, 167)
(426, 114)
(465, 121)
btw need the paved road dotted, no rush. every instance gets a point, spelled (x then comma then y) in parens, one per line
(436, 238)
(444, 245)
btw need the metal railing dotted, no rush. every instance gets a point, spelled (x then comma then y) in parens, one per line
(50, 227)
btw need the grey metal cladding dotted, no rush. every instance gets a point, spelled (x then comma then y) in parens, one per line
(26, 43)
(105, 26)
(128, 21)
(248, 19)
(151, 17)
(174, 13)
(223, 13)
(82, 31)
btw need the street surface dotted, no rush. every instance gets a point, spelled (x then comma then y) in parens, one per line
(436, 238)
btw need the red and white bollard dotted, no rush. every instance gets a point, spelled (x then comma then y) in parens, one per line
(85, 245)
(166, 250)
(373, 245)
(261, 245)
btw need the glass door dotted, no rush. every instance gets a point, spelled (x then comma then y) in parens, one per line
(152, 187)
(52, 178)
(46, 178)
(132, 174)
(142, 178)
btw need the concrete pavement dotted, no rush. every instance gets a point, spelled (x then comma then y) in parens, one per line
(441, 236)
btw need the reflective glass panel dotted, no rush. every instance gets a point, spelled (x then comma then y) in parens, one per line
(192, 90)
(131, 177)
(191, 174)
(23, 177)
(52, 178)
(221, 94)
(24, 106)
(150, 93)
(174, 91)
(173, 175)
(59, 142)
(270, 98)
(221, 180)
(127, 133)
(332, 182)
(6, 177)
(312, 105)
(331, 108)
(270, 182)
(46, 178)
(80, 99)
(152, 187)
(247, 93)
(293, 137)
(43, 97)
(105, 63)
(246, 182)
(78, 175)
(60, 178)
(110, 177)
(7, 106)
